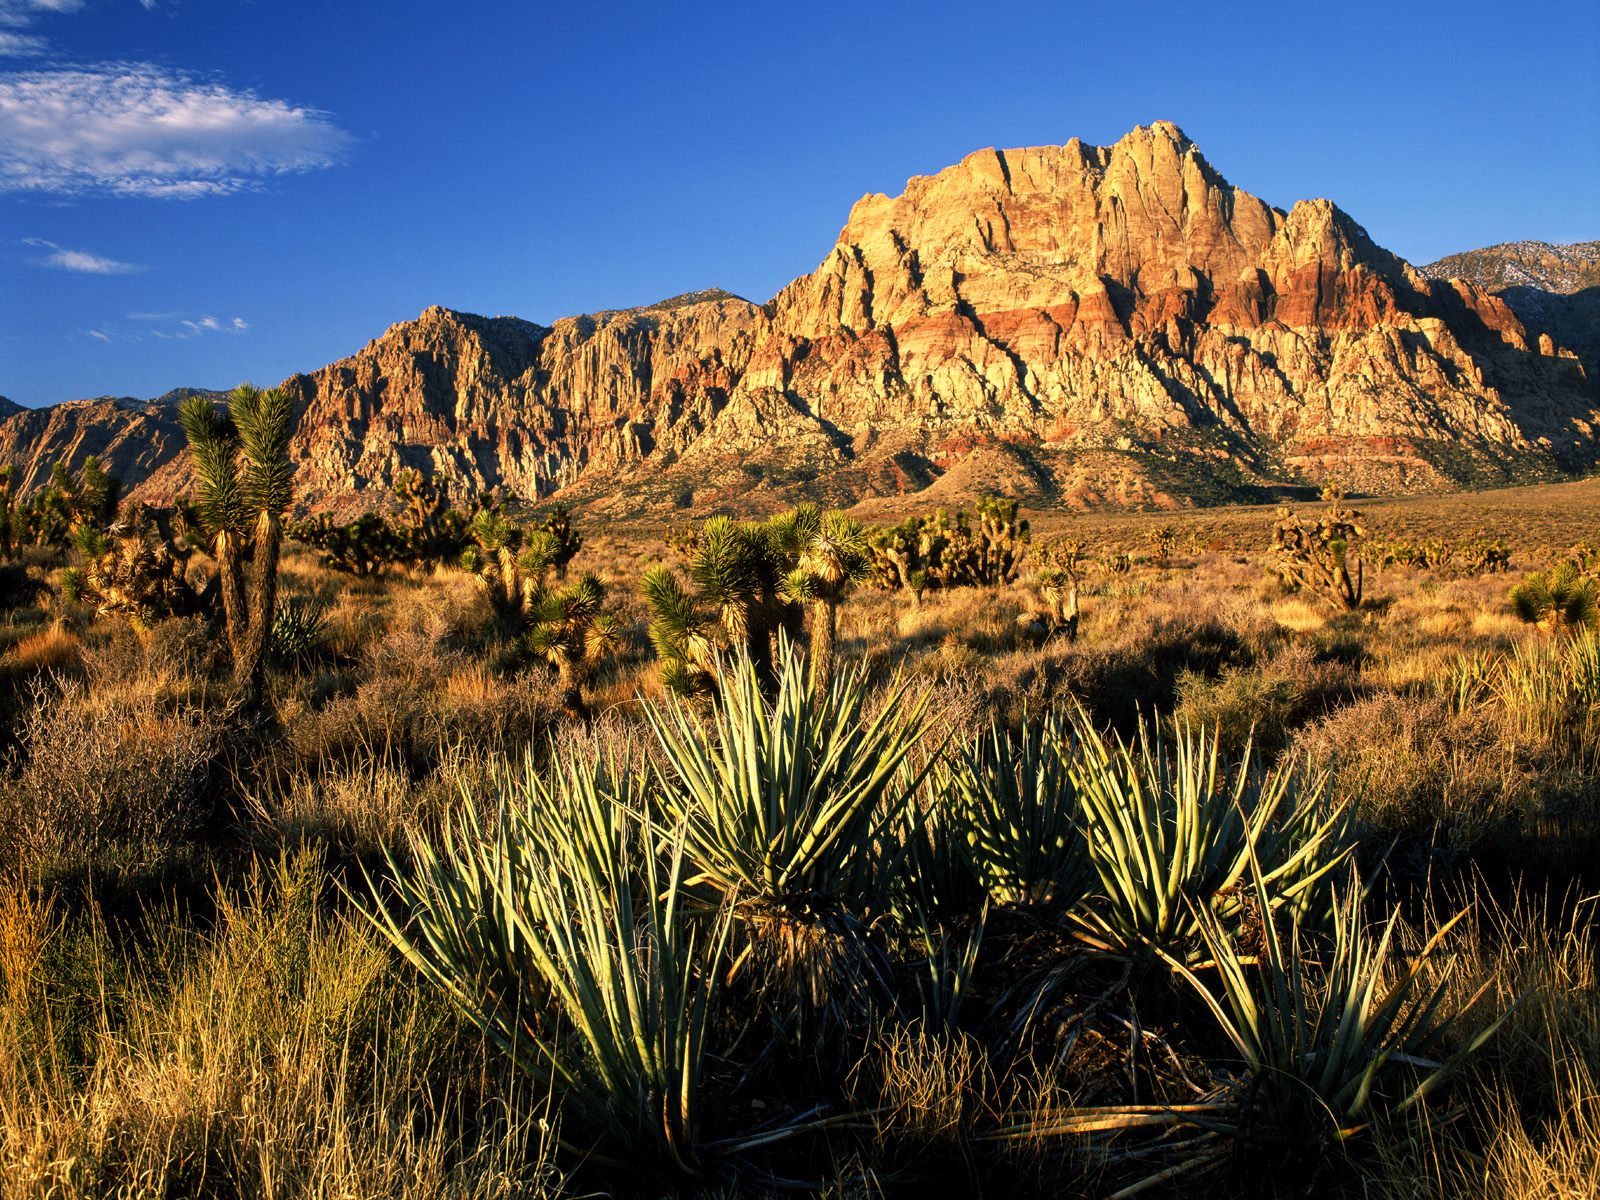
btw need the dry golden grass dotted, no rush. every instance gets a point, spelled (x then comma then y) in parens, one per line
(281, 1054)
(51, 650)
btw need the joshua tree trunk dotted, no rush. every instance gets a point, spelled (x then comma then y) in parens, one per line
(568, 684)
(824, 641)
(230, 582)
(260, 602)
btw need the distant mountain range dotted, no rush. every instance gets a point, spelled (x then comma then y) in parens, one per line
(1077, 325)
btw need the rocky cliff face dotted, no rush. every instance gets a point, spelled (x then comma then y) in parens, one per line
(1553, 290)
(1077, 324)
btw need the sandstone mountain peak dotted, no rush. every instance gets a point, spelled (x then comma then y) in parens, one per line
(1084, 324)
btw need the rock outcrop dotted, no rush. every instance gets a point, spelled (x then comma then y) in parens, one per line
(1553, 290)
(1080, 324)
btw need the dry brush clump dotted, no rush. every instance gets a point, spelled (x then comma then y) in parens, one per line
(96, 778)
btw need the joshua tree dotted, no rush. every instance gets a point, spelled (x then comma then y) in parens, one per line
(1059, 568)
(246, 483)
(1163, 541)
(1562, 600)
(830, 552)
(509, 562)
(565, 540)
(1316, 555)
(571, 633)
(141, 572)
(902, 554)
(738, 569)
(983, 548)
(565, 627)
(8, 513)
(362, 547)
(429, 530)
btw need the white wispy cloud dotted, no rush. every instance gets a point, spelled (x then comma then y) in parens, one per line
(81, 261)
(134, 129)
(21, 45)
(178, 326)
(24, 12)
(17, 15)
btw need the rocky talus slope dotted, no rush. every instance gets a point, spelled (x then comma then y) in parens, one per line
(1076, 324)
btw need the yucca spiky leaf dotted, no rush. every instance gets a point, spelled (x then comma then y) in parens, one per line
(564, 909)
(1013, 801)
(1172, 826)
(786, 799)
(1325, 1034)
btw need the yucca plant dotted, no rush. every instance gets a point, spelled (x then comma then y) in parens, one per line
(1329, 1035)
(1561, 600)
(299, 630)
(786, 807)
(783, 800)
(1014, 804)
(563, 935)
(1171, 829)
(245, 479)
(935, 883)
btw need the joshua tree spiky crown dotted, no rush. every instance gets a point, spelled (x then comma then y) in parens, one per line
(983, 548)
(567, 628)
(245, 484)
(752, 581)
(139, 572)
(1561, 600)
(68, 511)
(830, 553)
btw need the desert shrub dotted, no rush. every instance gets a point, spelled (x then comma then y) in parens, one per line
(105, 775)
(1435, 782)
(1265, 703)
(1119, 683)
(361, 804)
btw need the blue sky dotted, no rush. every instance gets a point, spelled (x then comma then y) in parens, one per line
(197, 192)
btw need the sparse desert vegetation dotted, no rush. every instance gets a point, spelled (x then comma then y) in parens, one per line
(502, 853)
